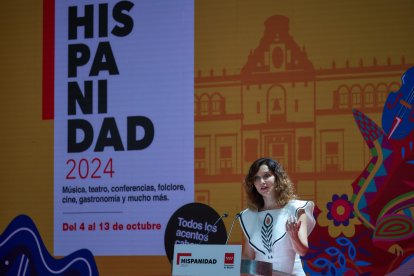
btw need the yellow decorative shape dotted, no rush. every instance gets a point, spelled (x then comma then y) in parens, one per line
(396, 249)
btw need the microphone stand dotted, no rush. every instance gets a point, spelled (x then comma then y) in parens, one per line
(224, 215)
(231, 228)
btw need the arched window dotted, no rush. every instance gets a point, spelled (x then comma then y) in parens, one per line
(356, 93)
(204, 104)
(369, 95)
(381, 94)
(276, 103)
(343, 95)
(217, 104)
(196, 105)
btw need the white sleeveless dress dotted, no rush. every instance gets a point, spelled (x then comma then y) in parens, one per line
(266, 233)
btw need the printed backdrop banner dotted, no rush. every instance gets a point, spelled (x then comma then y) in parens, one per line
(124, 123)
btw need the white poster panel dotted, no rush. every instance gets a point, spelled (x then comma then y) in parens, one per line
(124, 123)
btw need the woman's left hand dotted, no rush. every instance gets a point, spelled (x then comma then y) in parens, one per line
(296, 228)
(292, 227)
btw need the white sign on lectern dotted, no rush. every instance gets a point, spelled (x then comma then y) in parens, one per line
(206, 259)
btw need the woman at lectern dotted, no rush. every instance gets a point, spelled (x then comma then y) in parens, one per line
(276, 224)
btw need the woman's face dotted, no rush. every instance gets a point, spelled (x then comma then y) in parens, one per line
(264, 181)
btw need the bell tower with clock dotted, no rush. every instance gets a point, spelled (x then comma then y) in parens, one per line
(277, 52)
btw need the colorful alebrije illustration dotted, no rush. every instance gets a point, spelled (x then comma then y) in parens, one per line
(382, 200)
(24, 253)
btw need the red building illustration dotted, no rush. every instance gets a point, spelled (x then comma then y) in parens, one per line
(281, 106)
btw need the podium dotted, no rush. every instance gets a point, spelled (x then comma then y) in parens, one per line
(216, 259)
(259, 268)
(252, 267)
(206, 259)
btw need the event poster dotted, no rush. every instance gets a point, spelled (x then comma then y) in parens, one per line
(124, 123)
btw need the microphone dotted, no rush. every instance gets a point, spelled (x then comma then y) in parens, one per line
(224, 215)
(237, 216)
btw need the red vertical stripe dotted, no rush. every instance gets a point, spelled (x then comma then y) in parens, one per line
(48, 80)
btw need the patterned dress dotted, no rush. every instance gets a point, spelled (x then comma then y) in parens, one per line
(266, 233)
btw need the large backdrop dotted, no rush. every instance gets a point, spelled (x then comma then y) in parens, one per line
(116, 113)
